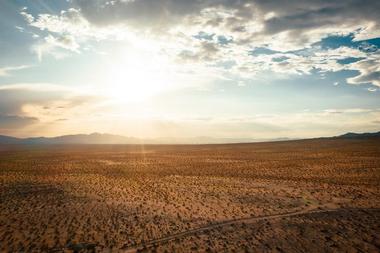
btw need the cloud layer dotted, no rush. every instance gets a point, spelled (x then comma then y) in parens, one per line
(224, 34)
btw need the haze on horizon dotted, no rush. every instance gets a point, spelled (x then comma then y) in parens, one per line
(180, 69)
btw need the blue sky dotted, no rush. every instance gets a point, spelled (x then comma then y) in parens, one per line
(182, 69)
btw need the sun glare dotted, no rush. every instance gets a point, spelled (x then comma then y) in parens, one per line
(136, 76)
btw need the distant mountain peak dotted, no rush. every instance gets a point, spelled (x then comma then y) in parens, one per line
(359, 135)
(104, 138)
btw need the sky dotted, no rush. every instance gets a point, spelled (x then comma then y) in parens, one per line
(187, 68)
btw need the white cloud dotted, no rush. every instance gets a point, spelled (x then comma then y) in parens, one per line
(169, 27)
(372, 89)
(68, 22)
(28, 17)
(291, 24)
(53, 46)
(5, 71)
(369, 70)
(65, 41)
(37, 87)
(45, 102)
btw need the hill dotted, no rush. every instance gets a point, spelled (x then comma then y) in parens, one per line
(102, 138)
(94, 138)
(359, 135)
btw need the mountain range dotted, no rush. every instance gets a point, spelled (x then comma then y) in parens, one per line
(103, 138)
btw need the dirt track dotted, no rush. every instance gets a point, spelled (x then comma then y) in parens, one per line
(165, 239)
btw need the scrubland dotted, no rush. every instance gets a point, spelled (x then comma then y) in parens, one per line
(294, 196)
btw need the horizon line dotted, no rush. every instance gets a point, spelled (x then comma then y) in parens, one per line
(161, 140)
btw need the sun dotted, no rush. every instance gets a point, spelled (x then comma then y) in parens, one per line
(131, 84)
(136, 76)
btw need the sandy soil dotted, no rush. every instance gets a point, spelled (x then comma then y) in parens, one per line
(296, 196)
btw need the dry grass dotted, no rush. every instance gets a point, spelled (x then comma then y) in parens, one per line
(119, 198)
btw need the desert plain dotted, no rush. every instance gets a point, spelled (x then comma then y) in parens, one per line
(319, 195)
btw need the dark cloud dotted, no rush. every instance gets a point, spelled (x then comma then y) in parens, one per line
(316, 14)
(289, 15)
(213, 30)
(250, 21)
(207, 52)
(158, 13)
(12, 99)
(10, 122)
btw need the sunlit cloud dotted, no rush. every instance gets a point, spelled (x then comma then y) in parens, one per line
(245, 24)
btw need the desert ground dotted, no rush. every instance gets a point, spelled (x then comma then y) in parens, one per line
(319, 195)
